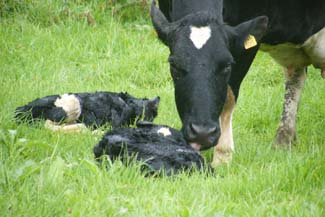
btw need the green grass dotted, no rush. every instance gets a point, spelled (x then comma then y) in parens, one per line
(42, 173)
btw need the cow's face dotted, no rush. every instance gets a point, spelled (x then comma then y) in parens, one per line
(202, 54)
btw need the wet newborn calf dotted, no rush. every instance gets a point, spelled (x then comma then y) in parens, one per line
(159, 147)
(92, 109)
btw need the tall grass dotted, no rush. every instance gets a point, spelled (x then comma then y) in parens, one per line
(42, 173)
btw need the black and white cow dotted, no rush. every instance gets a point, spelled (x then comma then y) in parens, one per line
(212, 45)
(92, 109)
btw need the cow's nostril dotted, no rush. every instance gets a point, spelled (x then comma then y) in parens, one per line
(203, 130)
(212, 130)
(195, 128)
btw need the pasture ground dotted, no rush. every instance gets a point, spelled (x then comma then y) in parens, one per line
(49, 47)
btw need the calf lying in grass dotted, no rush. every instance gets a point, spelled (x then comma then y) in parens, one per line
(91, 109)
(160, 148)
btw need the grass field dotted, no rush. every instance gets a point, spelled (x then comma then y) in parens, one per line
(49, 47)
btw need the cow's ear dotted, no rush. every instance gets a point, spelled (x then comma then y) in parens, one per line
(248, 34)
(160, 23)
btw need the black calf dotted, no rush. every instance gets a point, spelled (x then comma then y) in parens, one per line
(159, 147)
(92, 109)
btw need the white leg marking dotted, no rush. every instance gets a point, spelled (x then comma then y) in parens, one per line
(295, 79)
(70, 128)
(225, 147)
(200, 35)
(71, 105)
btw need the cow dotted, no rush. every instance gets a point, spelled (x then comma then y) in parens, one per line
(91, 109)
(212, 45)
(160, 149)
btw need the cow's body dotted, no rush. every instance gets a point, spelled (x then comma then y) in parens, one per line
(92, 109)
(295, 38)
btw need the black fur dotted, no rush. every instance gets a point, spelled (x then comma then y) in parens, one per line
(97, 109)
(290, 21)
(170, 154)
(41, 108)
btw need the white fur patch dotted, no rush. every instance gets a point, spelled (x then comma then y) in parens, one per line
(315, 49)
(164, 131)
(71, 105)
(200, 35)
(312, 51)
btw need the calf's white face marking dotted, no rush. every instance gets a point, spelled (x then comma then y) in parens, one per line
(71, 105)
(164, 131)
(200, 35)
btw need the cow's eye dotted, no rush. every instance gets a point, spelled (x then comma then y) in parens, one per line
(176, 72)
(227, 67)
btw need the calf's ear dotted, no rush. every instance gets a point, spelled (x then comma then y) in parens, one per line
(153, 103)
(248, 34)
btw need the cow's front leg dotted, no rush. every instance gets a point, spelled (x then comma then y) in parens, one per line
(286, 133)
(225, 147)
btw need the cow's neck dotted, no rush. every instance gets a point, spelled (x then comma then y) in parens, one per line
(181, 8)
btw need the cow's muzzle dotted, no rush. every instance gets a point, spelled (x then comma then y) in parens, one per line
(202, 136)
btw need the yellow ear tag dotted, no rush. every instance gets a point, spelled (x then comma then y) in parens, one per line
(250, 42)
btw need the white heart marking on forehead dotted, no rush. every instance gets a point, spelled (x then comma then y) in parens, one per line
(200, 35)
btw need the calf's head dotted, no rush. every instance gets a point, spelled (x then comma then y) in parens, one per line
(203, 51)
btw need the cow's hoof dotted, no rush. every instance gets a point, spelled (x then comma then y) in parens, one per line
(221, 158)
(285, 138)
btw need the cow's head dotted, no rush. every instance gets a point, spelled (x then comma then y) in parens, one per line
(202, 53)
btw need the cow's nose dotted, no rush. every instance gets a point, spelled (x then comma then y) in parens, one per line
(199, 130)
(205, 136)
